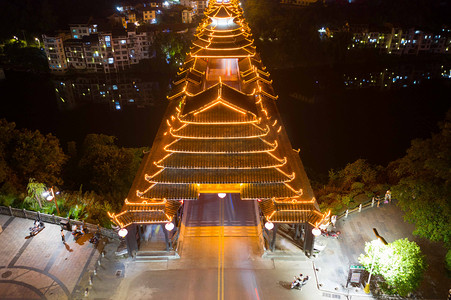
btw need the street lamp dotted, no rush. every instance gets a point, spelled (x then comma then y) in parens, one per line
(49, 195)
(381, 241)
(122, 232)
(316, 231)
(39, 41)
(169, 226)
(269, 225)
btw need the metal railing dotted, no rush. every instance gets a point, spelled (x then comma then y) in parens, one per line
(375, 201)
(27, 214)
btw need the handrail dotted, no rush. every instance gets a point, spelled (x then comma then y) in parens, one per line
(371, 202)
(27, 214)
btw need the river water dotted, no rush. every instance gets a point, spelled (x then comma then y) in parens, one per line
(334, 116)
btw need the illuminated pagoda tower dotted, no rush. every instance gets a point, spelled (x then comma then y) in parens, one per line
(222, 132)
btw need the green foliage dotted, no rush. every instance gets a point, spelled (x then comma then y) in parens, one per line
(357, 178)
(424, 184)
(26, 154)
(7, 199)
(400, 263)
(7, 131)
(171, 48)
(104, 168)
(108, 169)
(448, 261)
(35, 190)
(358, 171)
(77, 212)
(346, 199)
(333, 176)
(357, 186)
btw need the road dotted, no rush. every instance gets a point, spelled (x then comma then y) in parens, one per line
(220, 259)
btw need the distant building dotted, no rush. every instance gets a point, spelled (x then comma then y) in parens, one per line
(150, 15)
(116, 91)
(187, 15)
(54, 50)
(105, 52)
(393, 40)
(78, 31)
(301, 2)
(198, 6)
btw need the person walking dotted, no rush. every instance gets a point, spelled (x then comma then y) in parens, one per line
(62, 236)
(333, 220)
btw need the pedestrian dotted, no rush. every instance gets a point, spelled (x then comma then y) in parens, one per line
(333, 220)
(387, 196)
(62, 236)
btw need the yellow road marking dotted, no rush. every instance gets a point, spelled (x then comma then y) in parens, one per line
(221, 252)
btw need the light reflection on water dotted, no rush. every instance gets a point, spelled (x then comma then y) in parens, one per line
(331, 122)
(116, 92)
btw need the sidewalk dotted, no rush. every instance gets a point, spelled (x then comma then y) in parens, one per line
(333, 262)
(41, 266)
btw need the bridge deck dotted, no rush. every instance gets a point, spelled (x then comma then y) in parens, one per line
(212, 216)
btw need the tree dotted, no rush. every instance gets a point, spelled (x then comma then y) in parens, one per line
(107, 168)
(400, 263)
(34, 155)
(358, 171)
(171, 47)
(6, 134)
(26, 154)
(35, 190)
(424, 184)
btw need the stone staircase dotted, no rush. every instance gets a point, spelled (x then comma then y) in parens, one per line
(154, 256)
(229, 231)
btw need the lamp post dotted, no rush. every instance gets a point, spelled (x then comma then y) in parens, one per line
(316, 231)
(382, 241)
(122, 232)
(39, 41)
(49, 196)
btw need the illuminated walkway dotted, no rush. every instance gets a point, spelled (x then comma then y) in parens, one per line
(41, 267)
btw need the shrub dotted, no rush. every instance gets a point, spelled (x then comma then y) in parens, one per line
(448, 261)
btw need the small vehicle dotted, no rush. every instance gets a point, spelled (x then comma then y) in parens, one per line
(332, 233)
(299, 282)
(77, 232)
(37, 227)
(95, 239)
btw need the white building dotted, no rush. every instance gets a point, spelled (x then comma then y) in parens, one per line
(187, 15)
(198, 6)
(78, 31)
(54, 50)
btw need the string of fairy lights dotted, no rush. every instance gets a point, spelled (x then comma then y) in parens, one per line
(221, 36)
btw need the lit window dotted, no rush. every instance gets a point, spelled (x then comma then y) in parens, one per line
(123, 41)
(111, 60)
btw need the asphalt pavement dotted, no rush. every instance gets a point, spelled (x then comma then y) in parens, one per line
(217, 264)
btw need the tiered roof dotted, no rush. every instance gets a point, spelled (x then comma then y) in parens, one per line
(221, 136)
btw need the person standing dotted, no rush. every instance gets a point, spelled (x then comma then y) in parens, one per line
(62, 236)
(387, 196)
(333, 220)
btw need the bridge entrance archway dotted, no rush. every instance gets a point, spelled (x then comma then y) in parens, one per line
(210, 214)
